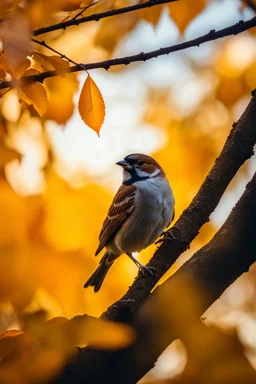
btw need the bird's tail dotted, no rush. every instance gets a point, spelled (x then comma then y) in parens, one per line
(97, 277)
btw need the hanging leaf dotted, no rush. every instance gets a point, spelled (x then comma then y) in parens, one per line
(183, 12)
(91, 105)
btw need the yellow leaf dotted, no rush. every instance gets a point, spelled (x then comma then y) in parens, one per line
(50, 62)
(30, 72)
(101, 334)
(58, 63)
(183, 12)
(70, 5)
(79, 331)
(91, 105)
(60, 95)
(107, 36)
(35, 94)
(152, 15)
(16, 34)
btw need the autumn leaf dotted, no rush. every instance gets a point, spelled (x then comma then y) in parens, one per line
(70, 5)
(183, 12)
(60, 94)
(17, 44)
(34, 94)
(152, 15)
(50, 62)
(79, 331)
(91, 105)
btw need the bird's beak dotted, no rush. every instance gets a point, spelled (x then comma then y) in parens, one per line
(124, 164)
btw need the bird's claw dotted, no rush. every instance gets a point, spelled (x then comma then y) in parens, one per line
(151, 270)
(166, 235)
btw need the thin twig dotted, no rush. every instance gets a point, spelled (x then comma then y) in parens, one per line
(235, 29)
(85, 9)
(251, 4)
(44, 44)
(99, 16)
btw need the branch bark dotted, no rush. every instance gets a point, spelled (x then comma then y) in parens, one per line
(213, 268)
(237, 149)
(235, 29)
(99, 16)
(217, 265)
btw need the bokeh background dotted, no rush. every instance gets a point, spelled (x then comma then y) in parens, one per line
(58, 177)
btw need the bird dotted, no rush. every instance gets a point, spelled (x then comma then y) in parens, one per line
(142, 209)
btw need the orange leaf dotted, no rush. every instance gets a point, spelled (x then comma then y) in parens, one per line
(91, 105)
(35, 94)
(183, 12)
(11, 333)
(51, 62)
(17, 47)
(70, 5)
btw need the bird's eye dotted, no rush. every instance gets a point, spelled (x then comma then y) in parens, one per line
(140, 162)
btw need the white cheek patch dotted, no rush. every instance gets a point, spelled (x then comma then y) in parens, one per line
(141, 173)
(127, 176)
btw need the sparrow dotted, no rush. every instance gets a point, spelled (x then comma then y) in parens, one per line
(142, 209)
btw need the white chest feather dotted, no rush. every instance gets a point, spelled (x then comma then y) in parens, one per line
(155, 199)
(154, 205)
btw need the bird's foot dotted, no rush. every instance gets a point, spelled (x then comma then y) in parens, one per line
(144, 269)
(166, 235)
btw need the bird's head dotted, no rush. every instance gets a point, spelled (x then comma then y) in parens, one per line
(139, 167)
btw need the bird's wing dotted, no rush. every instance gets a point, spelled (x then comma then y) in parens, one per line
(121, 207)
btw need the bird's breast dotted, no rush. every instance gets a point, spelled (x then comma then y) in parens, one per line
(153, 211)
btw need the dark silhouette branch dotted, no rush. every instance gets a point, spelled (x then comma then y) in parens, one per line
(217, 265)
(237, 149)
(235, 29)
(212, 269)
(99, 16)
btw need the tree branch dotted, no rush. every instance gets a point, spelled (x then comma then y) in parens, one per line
(235, 29)
(215, 267)
(237, 149)
(99, 16)
(212, 269)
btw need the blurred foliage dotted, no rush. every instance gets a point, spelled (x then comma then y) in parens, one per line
(213, 356)
(48, 239)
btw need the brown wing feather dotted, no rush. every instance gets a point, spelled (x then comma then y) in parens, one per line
(121, 207)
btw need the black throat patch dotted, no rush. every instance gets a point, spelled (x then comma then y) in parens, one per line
(134, 177)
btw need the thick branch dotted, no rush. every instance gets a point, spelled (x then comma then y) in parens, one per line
(99, 16)
(216, 266)
(235, 29)
(213, 268)
(237, 149)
